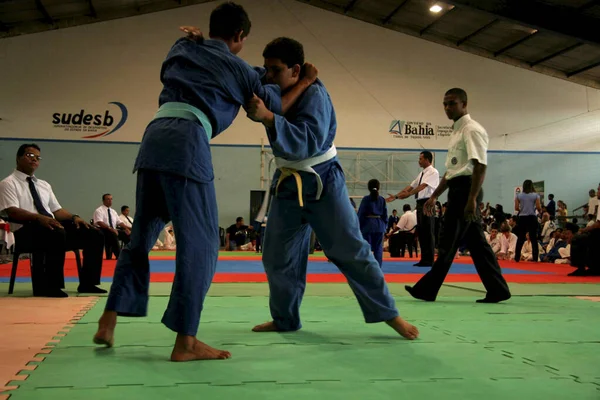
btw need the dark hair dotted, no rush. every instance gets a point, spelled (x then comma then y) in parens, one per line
(551, 196)
(289, 51)
(460, 93)
(123, 208)
(406, 207)
(572, 227)
(238, 219)
(494, 226)
(504, 228)
(104, 196)
(394, 210)
(373, 186)
(528, 186)
(227, 20)
(24, 147)
(427, 155)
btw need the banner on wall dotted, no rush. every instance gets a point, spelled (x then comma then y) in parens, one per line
(539, 188)
(419, 130)
(91, 124)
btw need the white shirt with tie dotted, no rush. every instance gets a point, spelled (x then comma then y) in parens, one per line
(431, 177)
(126, 220)
(101, 215)
(15, 192)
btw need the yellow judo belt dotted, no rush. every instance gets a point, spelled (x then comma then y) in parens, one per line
(285, 172)
(292, 168)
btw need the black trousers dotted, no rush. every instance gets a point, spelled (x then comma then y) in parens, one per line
(527, 224)
(426, 232)
(48, 248)
(585, 251)
(457, 230)
(111, 242)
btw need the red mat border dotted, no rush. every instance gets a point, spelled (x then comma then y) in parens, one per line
(556, 273)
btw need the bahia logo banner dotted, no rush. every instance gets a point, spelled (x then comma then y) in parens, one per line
(93, 125)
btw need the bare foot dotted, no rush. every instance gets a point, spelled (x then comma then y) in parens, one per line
(266, 327)
(403, 328)
(106, 329)
(188, 348)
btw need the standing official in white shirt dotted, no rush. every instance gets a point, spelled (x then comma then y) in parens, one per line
(422, 188)
(465, 172)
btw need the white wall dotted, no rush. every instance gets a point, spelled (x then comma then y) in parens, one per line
(374, 76)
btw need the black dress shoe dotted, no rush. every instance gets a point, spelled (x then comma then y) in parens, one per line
(578, 272)
(494, 299)
(55, 293)
(90, 289)
(412, 292)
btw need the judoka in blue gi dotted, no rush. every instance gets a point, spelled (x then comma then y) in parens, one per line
(372, 217)
(310, 192)
(205, 84)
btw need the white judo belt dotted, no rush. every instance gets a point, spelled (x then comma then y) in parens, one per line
(291, 168)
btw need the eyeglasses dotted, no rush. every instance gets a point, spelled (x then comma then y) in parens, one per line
(33, 156)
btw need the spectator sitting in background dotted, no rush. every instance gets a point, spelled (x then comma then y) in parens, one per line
(236, 235)
(508, 243)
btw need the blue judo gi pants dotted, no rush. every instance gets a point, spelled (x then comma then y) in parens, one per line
(192, 207)
(375, 240)
(336, 225)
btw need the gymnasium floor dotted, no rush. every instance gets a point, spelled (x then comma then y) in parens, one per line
(544, 343)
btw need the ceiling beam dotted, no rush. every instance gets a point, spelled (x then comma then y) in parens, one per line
(556, 54)
(589, 5)
(394, 12)
(536, 14)
(422, 31)
(92, 9)
(515, 44)
(47, 18)
(350, 6)
(586, 68)
(478, 31)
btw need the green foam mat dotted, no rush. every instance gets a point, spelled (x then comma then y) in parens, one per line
(444, 389)
(539, 289)
(529, 347)
(241, 289)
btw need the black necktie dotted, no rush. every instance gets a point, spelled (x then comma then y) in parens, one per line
(110, 218)
(36, 199)
(130, 221)
(420, 179)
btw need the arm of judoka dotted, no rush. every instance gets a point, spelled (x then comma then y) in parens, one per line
(305, 135)
(292, 95)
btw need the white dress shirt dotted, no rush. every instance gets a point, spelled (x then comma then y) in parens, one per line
(431, 177)
(124, 219)
(14, 192)
(469, 141)
(101, 215)
(408, 220)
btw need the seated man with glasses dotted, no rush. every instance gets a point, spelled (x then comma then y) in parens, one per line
(42, 227)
